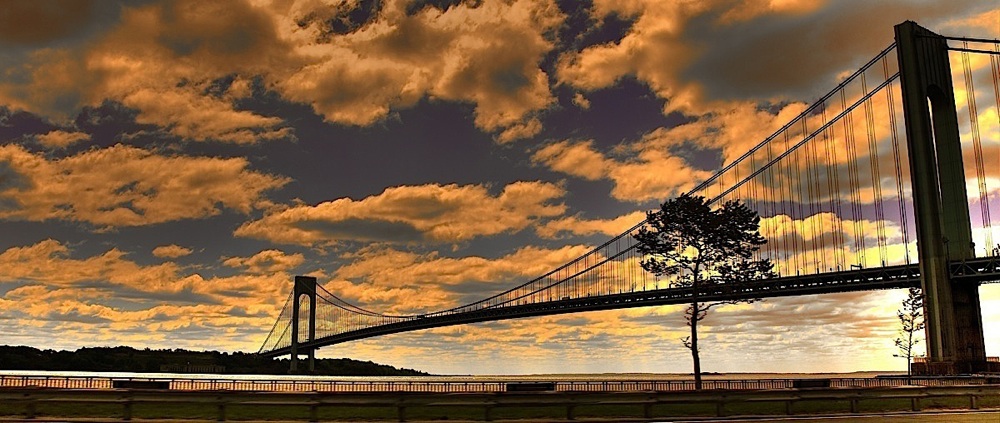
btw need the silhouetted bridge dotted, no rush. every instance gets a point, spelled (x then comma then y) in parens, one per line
(984, 270)
(837, 208)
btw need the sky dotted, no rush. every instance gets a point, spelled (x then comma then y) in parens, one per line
(168, 167)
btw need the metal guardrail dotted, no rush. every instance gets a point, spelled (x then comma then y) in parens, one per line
(34, 401)
(460, 386)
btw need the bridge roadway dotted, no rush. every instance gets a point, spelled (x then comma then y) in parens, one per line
(983, 270)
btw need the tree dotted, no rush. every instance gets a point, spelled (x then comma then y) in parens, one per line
(911, 320)
(703, 249)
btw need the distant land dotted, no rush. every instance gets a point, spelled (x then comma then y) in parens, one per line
(127, 359)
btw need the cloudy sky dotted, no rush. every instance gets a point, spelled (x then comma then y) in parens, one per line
(166, 168)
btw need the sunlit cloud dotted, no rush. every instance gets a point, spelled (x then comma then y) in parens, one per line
(166, 59)
(700, 56)
(436, 213)
(110, 298)
(171, 251)
(267, 261)
(576, 225)
(126, 186)
(61, 139)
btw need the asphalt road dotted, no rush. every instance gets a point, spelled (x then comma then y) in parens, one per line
(992, 416)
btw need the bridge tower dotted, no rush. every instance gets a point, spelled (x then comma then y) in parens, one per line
(304, 285)
(954, 321)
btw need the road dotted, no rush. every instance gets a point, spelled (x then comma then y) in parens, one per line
(992, 416)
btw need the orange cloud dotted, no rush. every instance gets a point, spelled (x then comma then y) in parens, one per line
(701, 56)
(648, 172)
(61, 139)
(127, 186)
(437, 213)
(171, 251)
(109, 298)
(487, 54)
(582, 227)
(165, 61)
(160, 59)
(32, 22)
(267, 261)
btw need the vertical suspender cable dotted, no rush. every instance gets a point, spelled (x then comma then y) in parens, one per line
(876, 176)
(852, 173)
(900, 194)
(977, 145)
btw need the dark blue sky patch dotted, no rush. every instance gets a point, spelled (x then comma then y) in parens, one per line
(113, 123)
(697, 156)
(363, 230)
(10, 179)
(416, 6)
(15, 125)
(621, 113)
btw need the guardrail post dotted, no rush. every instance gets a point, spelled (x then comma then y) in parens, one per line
(915, 404)
(127, 407)
(29, 409)
(313, 409)
(221, 409)
(973, 403)
(788, 407)
(401, 410)
(720, 408)
(569, 412)
(487, 413)
(854, 405)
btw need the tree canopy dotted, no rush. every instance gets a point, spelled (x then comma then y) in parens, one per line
(693, 245)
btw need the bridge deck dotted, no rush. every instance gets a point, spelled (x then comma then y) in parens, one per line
(984, 270)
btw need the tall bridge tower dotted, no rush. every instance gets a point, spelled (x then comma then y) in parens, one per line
(304, 285)
(954, 320)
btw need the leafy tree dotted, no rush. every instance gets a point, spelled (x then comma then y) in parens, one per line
(703, 249)
(911, 320)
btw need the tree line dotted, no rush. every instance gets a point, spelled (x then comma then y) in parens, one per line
(128, 359)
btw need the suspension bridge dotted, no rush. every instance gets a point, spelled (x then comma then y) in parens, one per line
(887, 181)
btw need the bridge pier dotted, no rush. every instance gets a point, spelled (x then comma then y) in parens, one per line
(304, 285)
(944, 234)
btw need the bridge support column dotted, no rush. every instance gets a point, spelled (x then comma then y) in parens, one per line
(304, 285)
(954, 321)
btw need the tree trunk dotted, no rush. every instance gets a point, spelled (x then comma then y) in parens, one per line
(694, 347)
(909, 357)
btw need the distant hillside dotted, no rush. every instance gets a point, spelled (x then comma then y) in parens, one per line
(127, 359)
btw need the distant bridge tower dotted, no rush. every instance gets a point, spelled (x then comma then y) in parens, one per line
(304, 285)
(944, 233)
